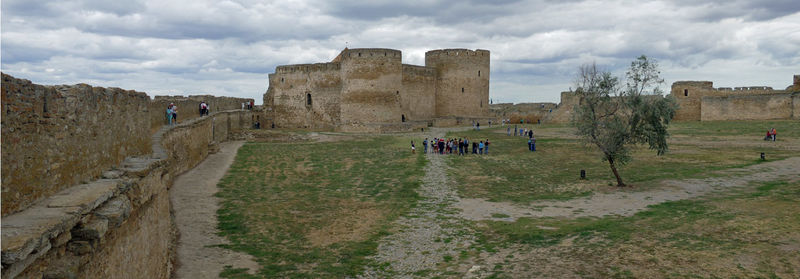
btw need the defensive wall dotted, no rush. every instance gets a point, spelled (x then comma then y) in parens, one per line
(110, 216)
(699, 100)
(361, 88)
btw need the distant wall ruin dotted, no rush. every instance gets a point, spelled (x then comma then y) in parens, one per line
(699, 100)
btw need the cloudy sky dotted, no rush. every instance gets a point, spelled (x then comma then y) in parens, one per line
(187, 47)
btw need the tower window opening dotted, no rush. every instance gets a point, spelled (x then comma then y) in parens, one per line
(686, 92)
(281, 80)
(479, 73)
(359, 54)
(308, 99)
(462, 89)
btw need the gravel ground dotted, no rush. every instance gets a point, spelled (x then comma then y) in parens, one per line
(431, 232)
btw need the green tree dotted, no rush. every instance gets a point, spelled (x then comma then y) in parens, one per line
(613, 117)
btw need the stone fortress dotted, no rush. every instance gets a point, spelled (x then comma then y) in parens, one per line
(369, 89)
(698, 101)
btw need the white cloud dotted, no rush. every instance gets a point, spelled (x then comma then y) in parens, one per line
(229, 47)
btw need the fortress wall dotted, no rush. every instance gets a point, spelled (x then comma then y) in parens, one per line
(747, 107)
(189, 107)
(371, 84)
(418, 97)
(690, 96)
(57, 136)
(462, 88)
(530, 112)
(563, 111)
(118, 226)
(796, 105)
(289, 89)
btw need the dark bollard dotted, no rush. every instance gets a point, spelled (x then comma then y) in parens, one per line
(583, 174)
(763, 157)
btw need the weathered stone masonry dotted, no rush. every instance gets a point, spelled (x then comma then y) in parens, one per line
(118, 226)
(372, 87)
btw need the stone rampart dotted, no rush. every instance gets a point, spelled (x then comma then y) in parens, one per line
(417, 96)
(305, 96)
(118, 226)
(371, 84)
(189, 107)
(57, 136)
(529, 112)
(746, 107)
(691, 95)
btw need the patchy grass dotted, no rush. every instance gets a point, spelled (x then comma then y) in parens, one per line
(512, 173)
(749, 233)
(316, 209)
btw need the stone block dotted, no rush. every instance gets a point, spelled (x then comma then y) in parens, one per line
(80, 247)
(95, 229)
(61, 239)
(116, 211)
(85, 196)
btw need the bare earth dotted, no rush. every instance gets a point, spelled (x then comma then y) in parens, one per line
(195, 207)
(628, 203)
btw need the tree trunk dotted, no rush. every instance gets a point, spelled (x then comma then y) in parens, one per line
(616, 173)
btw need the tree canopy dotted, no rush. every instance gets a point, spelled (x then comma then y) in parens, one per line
(613, 116)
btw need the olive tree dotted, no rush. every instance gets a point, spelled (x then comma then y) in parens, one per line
(613, 116)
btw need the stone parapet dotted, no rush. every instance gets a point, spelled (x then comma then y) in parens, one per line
(117, 226)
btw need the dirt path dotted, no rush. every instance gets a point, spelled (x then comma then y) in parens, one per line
(628, 203)
(430, 233)
(195, 207)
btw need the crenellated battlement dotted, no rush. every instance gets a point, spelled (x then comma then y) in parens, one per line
(415, 70)
(367, 53)
(308, 68)
(457, 52)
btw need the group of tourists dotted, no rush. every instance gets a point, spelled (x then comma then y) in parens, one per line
(771, 134)
(458, 146)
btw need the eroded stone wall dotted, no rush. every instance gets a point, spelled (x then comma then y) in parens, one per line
(371, 84)
(189, 107)
(418, 94)
(690, 96)
(305, 96)
(747, 107)
(56, 136)
(118, 226)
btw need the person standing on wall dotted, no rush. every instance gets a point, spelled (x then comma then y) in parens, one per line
(169, 114)
(175, 113)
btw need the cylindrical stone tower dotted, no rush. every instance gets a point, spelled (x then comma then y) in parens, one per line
(462, 87)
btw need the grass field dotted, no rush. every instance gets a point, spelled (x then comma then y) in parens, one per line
(512, 173)
(319, 209)
(315, 209)
(752, 234)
